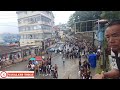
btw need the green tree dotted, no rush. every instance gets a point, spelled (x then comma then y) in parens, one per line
(71, 21)
(83, 16)
(110, 15)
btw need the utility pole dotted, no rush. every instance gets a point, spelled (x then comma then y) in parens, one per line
(104, 60)
(93, 38)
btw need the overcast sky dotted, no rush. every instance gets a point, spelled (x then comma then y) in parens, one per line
(8, 20)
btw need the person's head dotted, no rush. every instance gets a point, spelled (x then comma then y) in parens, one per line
(113, 35)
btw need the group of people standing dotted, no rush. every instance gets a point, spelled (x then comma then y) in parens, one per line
(81, 50)
(45, 68)
(84, 70)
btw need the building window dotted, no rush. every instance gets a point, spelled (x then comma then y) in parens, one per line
(35, 27)
(34, 36)
(28, 27)
(46, 27)
(38, 18)
(19, 29)
(39, 26)
(21, 36)
(19, 21)
(37, 36)
(45, 19)
(25, 20)
(31, 36)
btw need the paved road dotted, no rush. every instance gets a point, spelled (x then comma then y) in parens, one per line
(64, 71)
(21, 66)
(69, 70)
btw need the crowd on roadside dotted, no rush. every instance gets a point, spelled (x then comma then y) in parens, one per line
(45, 68)
(76, 49)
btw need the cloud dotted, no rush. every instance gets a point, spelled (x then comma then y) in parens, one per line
(62, 16)
(8, 22)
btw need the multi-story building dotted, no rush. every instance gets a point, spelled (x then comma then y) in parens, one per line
(35, 27)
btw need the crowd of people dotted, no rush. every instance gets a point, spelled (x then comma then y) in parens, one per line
(73, 49)
(45, 68)
(80, 50)
(76, 49)
(84, 70)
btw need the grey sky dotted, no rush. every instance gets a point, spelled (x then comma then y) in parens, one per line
(62, 16)
(8, 20)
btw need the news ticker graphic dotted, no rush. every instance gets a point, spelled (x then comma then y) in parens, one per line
(16, 74)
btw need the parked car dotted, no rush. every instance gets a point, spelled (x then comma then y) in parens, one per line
(52, 49)
(61, 47)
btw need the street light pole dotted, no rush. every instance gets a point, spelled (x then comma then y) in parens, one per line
(93, 38)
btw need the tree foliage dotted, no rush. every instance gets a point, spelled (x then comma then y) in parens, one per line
(91, 15)
(83, 16)
(110, 15)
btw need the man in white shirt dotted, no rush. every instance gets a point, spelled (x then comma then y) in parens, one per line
(113, 38)
(32, 66)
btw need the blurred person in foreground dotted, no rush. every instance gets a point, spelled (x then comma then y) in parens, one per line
(112, 34)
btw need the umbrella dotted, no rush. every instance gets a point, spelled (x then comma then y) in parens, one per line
(32, 59)
(38, 58)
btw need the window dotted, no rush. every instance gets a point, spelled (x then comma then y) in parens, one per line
(26, 36)
(40, 36)
(23, 28)
(45, 19)
(35, 20)
(46, 27)
(21, 36)
(37, 36)
(30, 36)
(19, 21)
(28, 27)
(30, 20)
(39, 26)
(25, 20)
(20, 29)
(35, 27)
(34, 36)
(38, 18)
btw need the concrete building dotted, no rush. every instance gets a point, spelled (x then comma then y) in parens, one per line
(35, 27)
